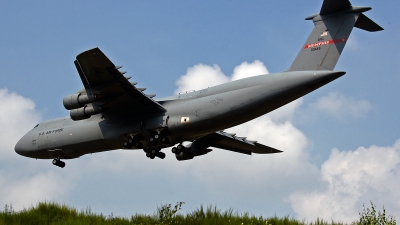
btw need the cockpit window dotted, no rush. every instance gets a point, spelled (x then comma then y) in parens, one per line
(36, 125)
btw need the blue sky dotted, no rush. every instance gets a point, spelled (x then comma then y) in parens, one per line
(156, 42)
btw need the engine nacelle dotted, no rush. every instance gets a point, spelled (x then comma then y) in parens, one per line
(84, 113)
(193, 150)
(76, 101)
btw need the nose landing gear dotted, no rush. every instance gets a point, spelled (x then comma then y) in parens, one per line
(57, 154)
(58, 163)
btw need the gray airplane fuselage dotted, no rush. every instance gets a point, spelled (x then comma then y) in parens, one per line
(207, 110)
(110, 112)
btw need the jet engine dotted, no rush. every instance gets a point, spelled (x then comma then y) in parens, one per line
(76, 100)
(191, 151)
(84, 113)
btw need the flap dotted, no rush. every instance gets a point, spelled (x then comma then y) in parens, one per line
(233, 143)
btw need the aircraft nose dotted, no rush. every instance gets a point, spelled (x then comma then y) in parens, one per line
(23, 146)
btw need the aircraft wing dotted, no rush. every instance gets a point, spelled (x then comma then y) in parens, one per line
(233, 143)
(102, 80)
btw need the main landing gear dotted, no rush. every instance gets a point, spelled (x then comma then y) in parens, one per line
(59, 163)
(155, 153)
(155, 138)
(180, 148)
(133, 142)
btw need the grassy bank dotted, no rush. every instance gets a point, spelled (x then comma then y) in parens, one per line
(56, 214)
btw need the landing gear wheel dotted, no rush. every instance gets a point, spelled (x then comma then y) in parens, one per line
(153, 140)
(125, 144)
(176, 151)
(151, 155)
(138, 145)
(161, 155)
(182, 148)
(61, 164)
(58, 163)
(153, 152)
(132, 142)
(165, 140)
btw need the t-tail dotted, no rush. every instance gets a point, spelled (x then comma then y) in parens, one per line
(333, 26)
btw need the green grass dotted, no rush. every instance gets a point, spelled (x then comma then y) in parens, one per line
(50, 213)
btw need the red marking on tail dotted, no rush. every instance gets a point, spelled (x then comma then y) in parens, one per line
(317, 44)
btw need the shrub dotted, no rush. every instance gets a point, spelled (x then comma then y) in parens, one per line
(166, 213)
(369, 216)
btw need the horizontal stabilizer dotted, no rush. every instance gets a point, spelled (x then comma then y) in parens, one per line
(367, 24)
(332, 6)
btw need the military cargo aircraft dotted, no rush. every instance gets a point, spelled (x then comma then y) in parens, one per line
(110, 112)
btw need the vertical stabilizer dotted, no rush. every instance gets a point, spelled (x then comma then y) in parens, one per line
(333, 26)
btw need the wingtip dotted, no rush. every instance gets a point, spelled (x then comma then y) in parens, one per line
(273, 150)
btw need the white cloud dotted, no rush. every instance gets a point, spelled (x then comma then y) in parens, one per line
(200, 76)
(351, 178)
(246, 69)
(287, 112)
(340, 106)
(23, 192)
(23, 182)
(17, 116)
